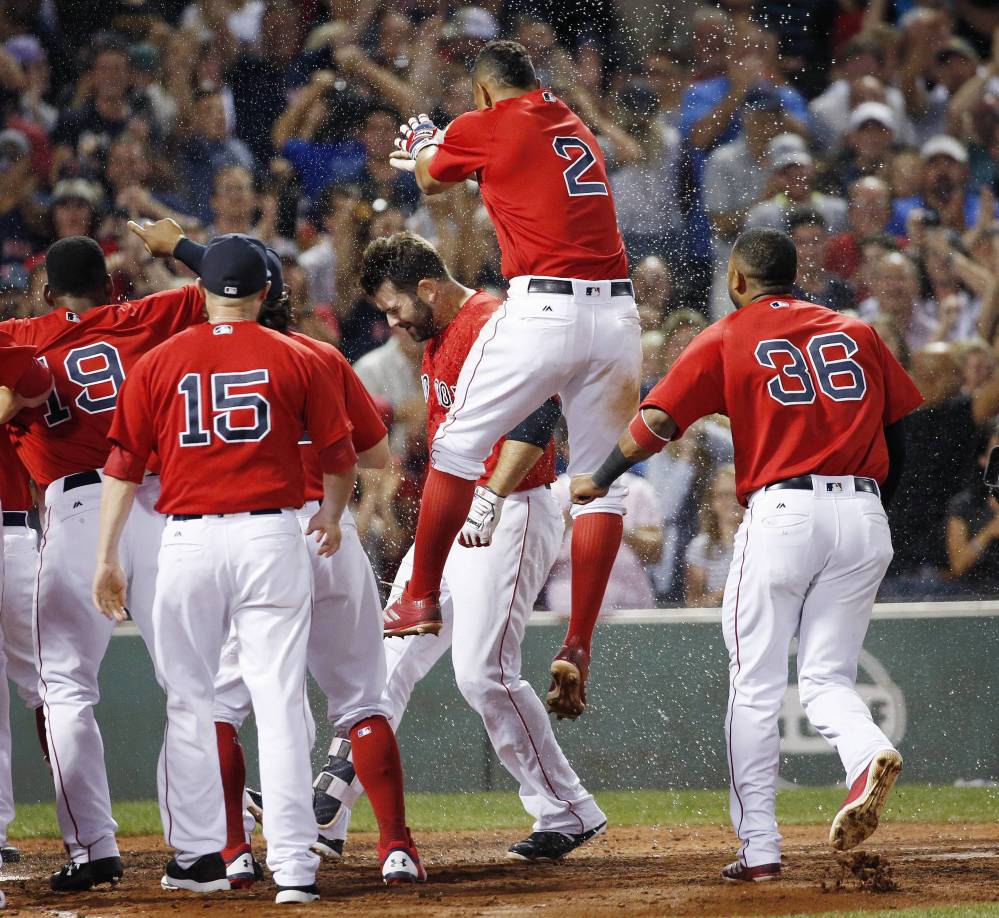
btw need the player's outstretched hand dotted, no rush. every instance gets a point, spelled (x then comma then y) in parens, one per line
(483, 517)
(415, 136)
(161, 237)
(327, 530)
(109, 591)
(583, 490)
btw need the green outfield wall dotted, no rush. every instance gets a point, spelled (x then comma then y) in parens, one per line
(657, 696)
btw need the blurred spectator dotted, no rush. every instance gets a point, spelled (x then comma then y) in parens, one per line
(653, 283)
(709, 554)
(76, 205)
(868, 148)
(868, 212)
(22, 216)
(895, 297)
(973, 530)
(392, 372)
(31, 56)
(642, 545)
(814, 282)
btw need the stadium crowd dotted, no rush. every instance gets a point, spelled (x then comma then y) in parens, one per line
(869, 131)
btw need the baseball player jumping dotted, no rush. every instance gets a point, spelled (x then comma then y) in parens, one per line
(569, 326)
(224, 406)
(815, 399)
(89, 347)
(345, 653)
(492, 577)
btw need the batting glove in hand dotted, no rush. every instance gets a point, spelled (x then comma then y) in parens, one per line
(415, 137)
(483, 517)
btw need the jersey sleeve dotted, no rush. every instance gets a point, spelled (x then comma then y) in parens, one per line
(132, 429)
(695, 384)
(463, 151)
(325, 411)
(365, 419)
(15, 363)
(170, 311)
(901, 395)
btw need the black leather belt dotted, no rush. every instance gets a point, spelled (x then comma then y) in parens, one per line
(565, 288)
(80, 480)
(15, 518)
(181, 517)
(804, 483)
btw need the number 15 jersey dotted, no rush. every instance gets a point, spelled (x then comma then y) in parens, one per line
(808, 391)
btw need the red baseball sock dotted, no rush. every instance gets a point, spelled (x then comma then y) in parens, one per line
(43, 739)
(445, 504)
(233, 768)
(379, 768)
(596, 538)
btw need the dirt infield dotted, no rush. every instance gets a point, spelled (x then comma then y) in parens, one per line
(631, 872)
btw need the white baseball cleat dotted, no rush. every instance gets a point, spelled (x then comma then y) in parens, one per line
(296, 895)
(858, 818)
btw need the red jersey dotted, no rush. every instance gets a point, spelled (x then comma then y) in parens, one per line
(89, 355)
(367, 427)
(14, 491)
(543, 180)
(808, 391)
(224, 406)
(443, 358)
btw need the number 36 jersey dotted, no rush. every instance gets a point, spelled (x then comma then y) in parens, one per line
(89, 355)
(808, 391)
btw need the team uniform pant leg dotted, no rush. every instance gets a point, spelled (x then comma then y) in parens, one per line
(190, 623)
(140, 549)
(273, 582)
(493, 591)
(6, 783)
(71, 638)
(232, 697)
(833, 626)
(766, 587)
(20, 575)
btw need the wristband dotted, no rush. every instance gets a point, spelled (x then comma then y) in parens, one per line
(646, 438)
(615, 465)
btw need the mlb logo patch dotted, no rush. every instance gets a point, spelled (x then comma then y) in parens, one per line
(834, 486)
(593, 291)
(72, 317)
(364, 731)
(778, 304)
(222, 330)
(230, 291)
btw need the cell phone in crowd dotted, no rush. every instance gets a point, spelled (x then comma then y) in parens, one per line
(991, 476)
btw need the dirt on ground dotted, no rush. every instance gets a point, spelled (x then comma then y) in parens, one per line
(644, 871)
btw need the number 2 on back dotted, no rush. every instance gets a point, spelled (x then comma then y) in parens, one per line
(841, 379)
(578, 166)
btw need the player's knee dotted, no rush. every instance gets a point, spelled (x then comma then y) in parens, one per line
(478, 687)
(445, 459)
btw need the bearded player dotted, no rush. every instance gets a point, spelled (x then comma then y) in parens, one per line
(493, 575)
(816, 400)
(569, 326)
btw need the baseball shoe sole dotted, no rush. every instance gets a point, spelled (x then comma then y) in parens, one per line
(737, 872)
(330, 848)
(566, 696)
(551, 846)
(406, 617)
(206, 875)
(858, 818)
(81, 877)
(296, 895)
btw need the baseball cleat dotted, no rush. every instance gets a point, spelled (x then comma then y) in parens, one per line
(296, 895)
(858, 818)
(81, 877)
(408, 616)
(551, 846)
(331, 848)
(207, 874)
(10, 855)
(255, 805)
(566, 696)
(331, 784)
(737, 872)
(401, 863)
(242, 868)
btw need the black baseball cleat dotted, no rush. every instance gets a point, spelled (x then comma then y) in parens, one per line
(296, 895)
(551, 846)
(331, 848)
(10, 854)
(207, 874)
(81, 877)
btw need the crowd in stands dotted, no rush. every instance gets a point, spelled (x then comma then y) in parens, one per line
(868, 130)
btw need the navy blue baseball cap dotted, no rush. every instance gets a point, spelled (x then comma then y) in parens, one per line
(192, 254)
(234, 266)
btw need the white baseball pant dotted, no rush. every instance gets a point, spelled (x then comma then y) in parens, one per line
(487, 596)
(345, 637)
(71, 637)
(250, 572)
(807, 563)
(585, 347)
(20, 551)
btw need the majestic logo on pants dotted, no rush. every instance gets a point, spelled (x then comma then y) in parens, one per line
(875, 686)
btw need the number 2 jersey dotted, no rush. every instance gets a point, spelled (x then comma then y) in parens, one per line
(808, 391)
(443, 358)
(225, 407)
(89, 355)
(543, 180)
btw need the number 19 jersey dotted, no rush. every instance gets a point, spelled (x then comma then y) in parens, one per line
(808, 391)
(89, 355)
